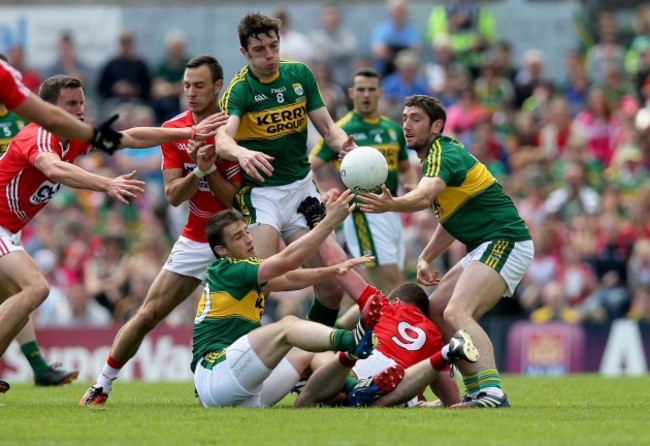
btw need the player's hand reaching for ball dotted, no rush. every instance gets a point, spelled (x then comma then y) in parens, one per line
(344, 267)
(124, 187)
(376, 203)
(337, 208)
(346, 147)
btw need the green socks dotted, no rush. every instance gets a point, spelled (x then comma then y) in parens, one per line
(33, 355)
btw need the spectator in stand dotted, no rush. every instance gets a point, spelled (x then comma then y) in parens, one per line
(607, 54)
(295, 45)
(597, 124)
(502, 57)
(574, 196)
(31, 78)
(626, 171)
(439, 71)
(556, 129)
(406, 81)
(471, 31)
(106, 272)
(125, 77)
(491, 88)
(611, 299)
(529, 75)
(639, 280)
(637, 53)
(335, 45)
(391, 36)
(168, 81)
(576, 89)
(465, 115)
(531, 202)
(67, 61)
(333, 94)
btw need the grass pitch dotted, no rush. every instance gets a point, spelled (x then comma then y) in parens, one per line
(571, 410)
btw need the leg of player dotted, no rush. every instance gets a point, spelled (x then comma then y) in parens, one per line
(166, 293)
(385, 277)
(286, 376)
(44, 374)
(27, 289)
(326, 382)
(460, 299)
(418, 376)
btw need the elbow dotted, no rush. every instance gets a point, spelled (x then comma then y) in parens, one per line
(173, 199)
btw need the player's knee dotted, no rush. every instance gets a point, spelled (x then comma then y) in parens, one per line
(148, 318)
(37, 292)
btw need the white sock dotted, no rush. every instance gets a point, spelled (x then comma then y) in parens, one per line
(445, 352)
(106, 378)
(493, 391)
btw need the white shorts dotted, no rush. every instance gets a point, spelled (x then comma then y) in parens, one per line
(9, 242)
(373, 364)
(189, 258)
(381, 235)
(239, 379)
(510, 259)
(276, 206)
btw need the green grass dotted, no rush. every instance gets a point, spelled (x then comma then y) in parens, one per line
(572, 410)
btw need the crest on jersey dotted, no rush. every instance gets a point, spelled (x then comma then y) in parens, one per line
(298, 89)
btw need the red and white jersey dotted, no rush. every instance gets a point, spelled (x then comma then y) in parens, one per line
(203, 205)
(12, 90)
(405, 334)
(25, 190)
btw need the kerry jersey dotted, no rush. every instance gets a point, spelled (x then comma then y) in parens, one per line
(273, 118)
(203, 204)
(473, 207)
(25, 190)
(231, 306)
(10, 125)
(383, 134)
(405, 334)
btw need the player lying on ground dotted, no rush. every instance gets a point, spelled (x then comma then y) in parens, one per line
(238, 362)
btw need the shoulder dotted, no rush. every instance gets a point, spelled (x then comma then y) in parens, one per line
(180, 120)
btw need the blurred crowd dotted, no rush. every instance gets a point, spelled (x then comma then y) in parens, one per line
(573, 154)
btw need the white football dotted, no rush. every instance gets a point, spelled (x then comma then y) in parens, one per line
(364, 169)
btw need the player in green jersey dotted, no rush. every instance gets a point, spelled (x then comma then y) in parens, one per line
(238, 362)
(378, 234)
(473, 208)
(269, 103)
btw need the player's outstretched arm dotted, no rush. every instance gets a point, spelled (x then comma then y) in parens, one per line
(427, 191)
(121, 188)
(54, 119)
(304, 277)
(297, 252)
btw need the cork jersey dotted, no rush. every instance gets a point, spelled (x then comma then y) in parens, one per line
(12, 90)
(25, 190)
(473, 207)
(383, 134)
(231, 306)
(203, 204)
(10, 125)
(273, 118)
(405, 333)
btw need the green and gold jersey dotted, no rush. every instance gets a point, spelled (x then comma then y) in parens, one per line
(383, 134)
(231, 306)
(273, 118)
(473, 207)
(10, 125)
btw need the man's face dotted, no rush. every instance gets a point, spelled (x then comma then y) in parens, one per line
(237, 241)
(72, 100)
(365, 93)
(418, 128)
(263, 54)
(200, 92)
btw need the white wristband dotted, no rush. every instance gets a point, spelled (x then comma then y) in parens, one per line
(201, 173)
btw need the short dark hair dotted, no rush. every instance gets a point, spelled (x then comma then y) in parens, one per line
(216, 70)
(365, 72)
(3, 57)
(51, 87)
(433, 107)
(256, 23)
(215, 226)
(411, 294)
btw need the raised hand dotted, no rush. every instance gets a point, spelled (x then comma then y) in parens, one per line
(348, 145)
(206, 156)
(376, 203)
(344, 267)
(124, 187)
(208, 127)
(105, 138)
(337, 208)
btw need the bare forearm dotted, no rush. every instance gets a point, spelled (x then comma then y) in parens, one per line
(54, 119)
(221, 188)
(413, 201)
(182, 189)
(439, 242)
(140, 137)
(335, 137)
(305, 277)
(226, 146)
(76, 177)
(296, 253)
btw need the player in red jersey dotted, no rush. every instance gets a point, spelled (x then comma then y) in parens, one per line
(18, 98)
(32, 171)
(187, 178)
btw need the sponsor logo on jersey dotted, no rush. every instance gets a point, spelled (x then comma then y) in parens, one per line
(44, 192)
(298, 89)
(392, 134)
(277, 122)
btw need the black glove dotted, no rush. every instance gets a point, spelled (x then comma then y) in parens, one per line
(105, 138)
(313, 210)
